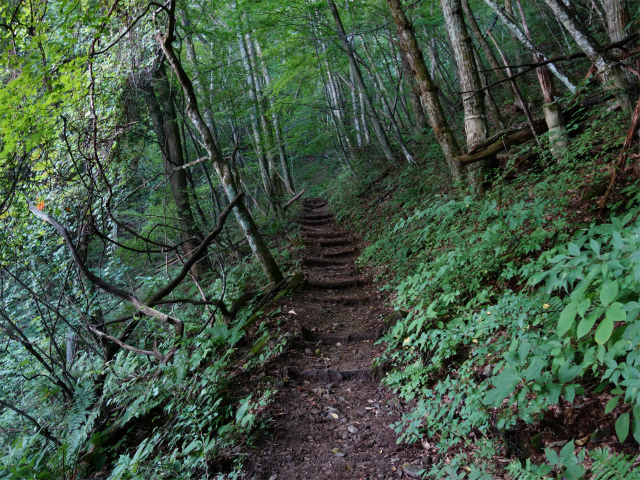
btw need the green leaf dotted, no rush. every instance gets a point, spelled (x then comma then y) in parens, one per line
(622, 427)
(611, 404)
(635, 429)
(566, 319)
(583, 306)
(615, 312)
(574, 250)
(608, 292)
(604, 330)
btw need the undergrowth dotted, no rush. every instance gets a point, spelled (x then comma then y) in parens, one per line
(521, 311)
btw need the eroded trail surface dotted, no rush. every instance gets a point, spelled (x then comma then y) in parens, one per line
(331, 419)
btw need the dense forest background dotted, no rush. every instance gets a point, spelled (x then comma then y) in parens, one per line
(151, 160)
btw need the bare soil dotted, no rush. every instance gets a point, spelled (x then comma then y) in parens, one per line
(331, 418)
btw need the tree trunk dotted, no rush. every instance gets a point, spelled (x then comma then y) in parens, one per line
(428, 89)
(611, 71)
(513, 27)
(486, 48)
(246, 222)
(558, 136)
(377, 126)
(267, 127)
(616, 13)
(255, 128)
(475, 119)
(159, 100)
(414, 95)
(377, 81)
(275, 118)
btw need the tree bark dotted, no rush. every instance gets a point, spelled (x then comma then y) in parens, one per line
(255, 128)
(159, 100)
(611, 71)
(275, 118)
(558, 136)
(246, 222)
(513, 27)
(377, 126)
(414, 95)
(475, 119)
(428, 89)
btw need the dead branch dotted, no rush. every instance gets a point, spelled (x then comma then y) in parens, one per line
(286, 205)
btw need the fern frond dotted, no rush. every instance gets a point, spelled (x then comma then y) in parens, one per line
(608, 466)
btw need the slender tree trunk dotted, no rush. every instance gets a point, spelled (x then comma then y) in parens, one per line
(267, 130)
(428, 89)
(377, 126)
(363, 118)
(377, 80)
(275, 118)
(486, 48)
(257, 136)
(611, 71)
(246, 222)
(475, 119)
(414, 95)
(558, 136)
(159, 100)
(354, 106)
(513, 27)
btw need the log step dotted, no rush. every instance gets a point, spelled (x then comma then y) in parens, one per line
(326, 235)
(319, 262)
(337, 242)
(309, 336)
(315, 223)
(339, 253)
(332, 376)
(333, 284)
(321, 216)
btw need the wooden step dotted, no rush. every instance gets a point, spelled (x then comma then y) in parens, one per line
(309, 336)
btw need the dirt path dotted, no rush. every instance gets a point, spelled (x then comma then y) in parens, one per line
(331, 420)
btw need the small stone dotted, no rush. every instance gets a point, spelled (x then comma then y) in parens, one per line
(353, 429)
(273, 477)
(334, 411)
(329, 386)
(335, 359)
(361, 413)
(308, 351)
(413, 471)
(340, 454)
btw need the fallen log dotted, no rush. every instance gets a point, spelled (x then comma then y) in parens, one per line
(500, 142)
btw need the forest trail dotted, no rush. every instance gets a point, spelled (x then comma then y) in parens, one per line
(331, 420)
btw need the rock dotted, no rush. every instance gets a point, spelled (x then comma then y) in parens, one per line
(335, 359)
(353, 429)
(340, 454)
(273, 477)
(413, 471)
(308, 351)
(362, 413)
(335, 411)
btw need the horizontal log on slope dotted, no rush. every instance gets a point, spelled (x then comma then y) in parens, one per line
(499, 142)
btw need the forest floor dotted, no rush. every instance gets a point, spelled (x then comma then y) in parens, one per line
(331, 419)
